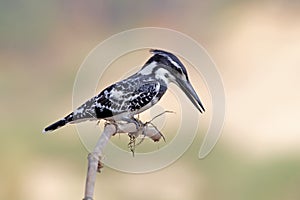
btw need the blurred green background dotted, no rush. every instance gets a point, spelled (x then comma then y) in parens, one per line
(256, 46)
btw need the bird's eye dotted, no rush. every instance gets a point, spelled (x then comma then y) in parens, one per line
(166, 75)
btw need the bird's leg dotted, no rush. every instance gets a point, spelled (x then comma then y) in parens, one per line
(137, 122)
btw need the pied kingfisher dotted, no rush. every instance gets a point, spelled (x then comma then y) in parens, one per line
(133, 95)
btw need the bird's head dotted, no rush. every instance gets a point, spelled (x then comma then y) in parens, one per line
(168, 68)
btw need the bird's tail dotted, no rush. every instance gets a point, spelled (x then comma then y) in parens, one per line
(58, 124)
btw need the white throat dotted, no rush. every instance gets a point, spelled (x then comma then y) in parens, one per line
(164, 75)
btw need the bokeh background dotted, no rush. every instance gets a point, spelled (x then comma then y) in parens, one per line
(256, 46)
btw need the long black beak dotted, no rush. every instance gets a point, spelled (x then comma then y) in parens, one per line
(188, 89)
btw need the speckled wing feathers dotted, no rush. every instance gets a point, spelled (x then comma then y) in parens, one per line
(128, 96)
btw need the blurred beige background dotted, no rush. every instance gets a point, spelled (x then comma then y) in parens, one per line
(256, 46)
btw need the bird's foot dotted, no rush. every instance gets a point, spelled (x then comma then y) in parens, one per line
(112, 122)
(138, 123)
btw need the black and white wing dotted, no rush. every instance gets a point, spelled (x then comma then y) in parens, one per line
(145, 96)
(137, 97)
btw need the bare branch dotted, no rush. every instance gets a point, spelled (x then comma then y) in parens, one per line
(94, 158)
(147, 129)
(110, 129)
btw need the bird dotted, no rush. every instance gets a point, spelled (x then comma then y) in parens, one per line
(126, 98)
